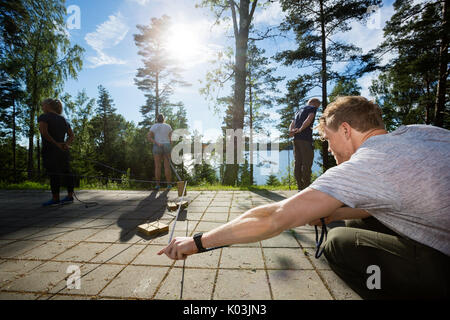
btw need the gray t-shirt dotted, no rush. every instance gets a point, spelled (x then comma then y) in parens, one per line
(402, 179)
(161, 131)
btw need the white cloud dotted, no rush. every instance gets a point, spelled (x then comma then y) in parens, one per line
(270, 15)
(141, 2)
(107, 35)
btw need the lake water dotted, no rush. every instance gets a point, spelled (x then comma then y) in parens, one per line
(278, 165)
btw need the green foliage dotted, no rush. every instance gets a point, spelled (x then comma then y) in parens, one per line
(407, 88)
(345, 87)
(272, 180)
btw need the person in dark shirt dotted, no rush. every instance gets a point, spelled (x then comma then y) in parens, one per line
(55, 150)
(301, 130)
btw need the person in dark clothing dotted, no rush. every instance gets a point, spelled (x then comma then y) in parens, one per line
(55, 150)
(301, 130)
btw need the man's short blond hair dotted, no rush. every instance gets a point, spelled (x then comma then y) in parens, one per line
(314, 101)
(360, 113)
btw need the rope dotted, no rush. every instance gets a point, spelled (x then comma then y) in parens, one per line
(320, 241)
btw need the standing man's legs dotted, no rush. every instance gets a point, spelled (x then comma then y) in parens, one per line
(158, 159)
(307, 154)
(68, 177)
(298, 163)
(167, 168)
(304, 156)
(55, 182)
(50, 162)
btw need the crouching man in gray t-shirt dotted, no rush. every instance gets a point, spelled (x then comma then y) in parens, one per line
(393, 190)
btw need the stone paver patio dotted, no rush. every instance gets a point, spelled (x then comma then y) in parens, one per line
(37, 245)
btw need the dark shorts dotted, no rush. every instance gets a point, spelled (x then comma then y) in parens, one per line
(163, 150)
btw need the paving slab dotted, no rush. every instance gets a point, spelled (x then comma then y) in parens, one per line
(12, 269)
(118, 253)
(198, 284)
(94, 277)
(209, 259)
(77, 234)
(16, 248)
(46, 251)
(212, 209)
(41, 279)
(242, 285)
(283, 240)
(150, 258)
(242, 258)
(286, 258)
(135, 282)
(18, 296)
(297, 285)
(338, 287)
(82, 252)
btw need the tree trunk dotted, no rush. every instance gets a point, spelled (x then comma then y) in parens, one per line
(38, 150)
(156, 95)
(443, 70)
(324, 151)
(14, 141)
(30, 166)
(241, 42)
(250, 102)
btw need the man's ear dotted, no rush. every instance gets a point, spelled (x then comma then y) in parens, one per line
(347, 130)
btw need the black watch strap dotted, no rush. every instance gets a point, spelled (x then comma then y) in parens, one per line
(198, 242)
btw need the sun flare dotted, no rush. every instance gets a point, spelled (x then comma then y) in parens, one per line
(183, 44)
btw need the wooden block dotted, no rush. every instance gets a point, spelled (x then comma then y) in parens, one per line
(153, 228)
(172, 206)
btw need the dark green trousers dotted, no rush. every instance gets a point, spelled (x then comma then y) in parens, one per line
(407, 269)
(304, 157)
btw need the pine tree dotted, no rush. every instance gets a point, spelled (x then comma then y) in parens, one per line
(272, 180)
(411, 89)
(160, 74)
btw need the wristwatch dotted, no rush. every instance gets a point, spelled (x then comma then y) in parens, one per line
(198, 242)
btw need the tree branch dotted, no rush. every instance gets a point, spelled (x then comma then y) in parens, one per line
(233, 14)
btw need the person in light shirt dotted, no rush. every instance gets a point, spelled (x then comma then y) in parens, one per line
(160, 135)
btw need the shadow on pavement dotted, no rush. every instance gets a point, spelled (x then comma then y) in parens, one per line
(267, 194)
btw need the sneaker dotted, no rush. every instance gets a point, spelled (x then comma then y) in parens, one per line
(67, 200)
(169, 186)
(50, 203)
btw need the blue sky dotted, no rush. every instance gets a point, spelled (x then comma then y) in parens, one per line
(111, 59)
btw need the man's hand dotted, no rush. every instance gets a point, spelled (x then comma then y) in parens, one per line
(179, 248)
(293, 132)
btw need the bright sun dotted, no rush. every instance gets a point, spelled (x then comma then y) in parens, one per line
(183, 43)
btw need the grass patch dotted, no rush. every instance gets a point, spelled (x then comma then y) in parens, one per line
(32, 185)
(26, 185)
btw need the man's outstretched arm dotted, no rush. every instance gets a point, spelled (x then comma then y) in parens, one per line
(260, 223)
